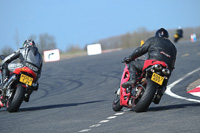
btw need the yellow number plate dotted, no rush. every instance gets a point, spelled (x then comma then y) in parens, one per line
(26, 79)
(157, 78)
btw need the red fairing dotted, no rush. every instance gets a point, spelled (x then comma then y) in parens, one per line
(24, 86)
(125, 78)
(1, 104)
(153, 62)
(27, 70)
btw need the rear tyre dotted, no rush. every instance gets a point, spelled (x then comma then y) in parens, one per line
(144, 102)
(16, 99)
(116, 102)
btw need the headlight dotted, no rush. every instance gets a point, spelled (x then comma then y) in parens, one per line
(165, 71)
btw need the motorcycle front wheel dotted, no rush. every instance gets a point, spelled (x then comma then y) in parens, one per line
(116, 102)
(146, 98)
(16, 99)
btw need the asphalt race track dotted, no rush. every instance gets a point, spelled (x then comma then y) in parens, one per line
(76, 95)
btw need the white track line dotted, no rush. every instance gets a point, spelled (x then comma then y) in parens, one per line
(196, 94)
(84, 130)
(103, 121)
(111, 117)
(169, 87)
(168, 92)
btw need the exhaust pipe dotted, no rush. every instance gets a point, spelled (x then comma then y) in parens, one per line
(10, 81)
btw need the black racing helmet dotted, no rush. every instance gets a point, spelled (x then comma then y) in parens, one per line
(162, 33)
(28, 43)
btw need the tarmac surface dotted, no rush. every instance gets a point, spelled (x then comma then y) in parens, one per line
(76, 95)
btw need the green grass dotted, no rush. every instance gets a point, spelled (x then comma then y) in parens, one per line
(72, 54)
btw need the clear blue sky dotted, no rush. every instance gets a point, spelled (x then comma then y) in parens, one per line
(82, 22)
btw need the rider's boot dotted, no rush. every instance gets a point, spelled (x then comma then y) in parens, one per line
(1, 86)
(36, 86)
(132, 79)
(3, 83)
(5, 74)
(27, 95)
(129, 83)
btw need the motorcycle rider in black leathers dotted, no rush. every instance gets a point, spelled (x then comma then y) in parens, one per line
(29, 56)
(179, 31)
(158, 48)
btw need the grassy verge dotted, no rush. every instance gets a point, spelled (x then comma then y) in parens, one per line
(72, 54)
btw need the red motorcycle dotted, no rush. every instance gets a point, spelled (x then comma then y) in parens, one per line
(149, 87)
(20, 83)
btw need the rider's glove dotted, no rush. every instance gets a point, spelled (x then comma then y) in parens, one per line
(126, 60)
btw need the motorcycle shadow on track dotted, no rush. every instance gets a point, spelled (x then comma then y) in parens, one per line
(53, 106)
(176, 106)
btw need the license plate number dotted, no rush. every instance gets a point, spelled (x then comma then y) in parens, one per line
(26, 79)
(157, 78)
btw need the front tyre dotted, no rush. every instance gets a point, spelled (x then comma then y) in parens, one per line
(116, 102)
(144, 102)
(16, 99)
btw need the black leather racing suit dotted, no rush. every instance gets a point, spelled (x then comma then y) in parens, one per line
(180, 33)
(29, 57)
(158, 48)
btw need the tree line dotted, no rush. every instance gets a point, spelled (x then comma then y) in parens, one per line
(43, 42)
(131, 39)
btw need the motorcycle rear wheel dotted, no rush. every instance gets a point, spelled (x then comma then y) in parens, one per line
(176, 40)
(144, 102)
(16, 99)
(116, 102)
